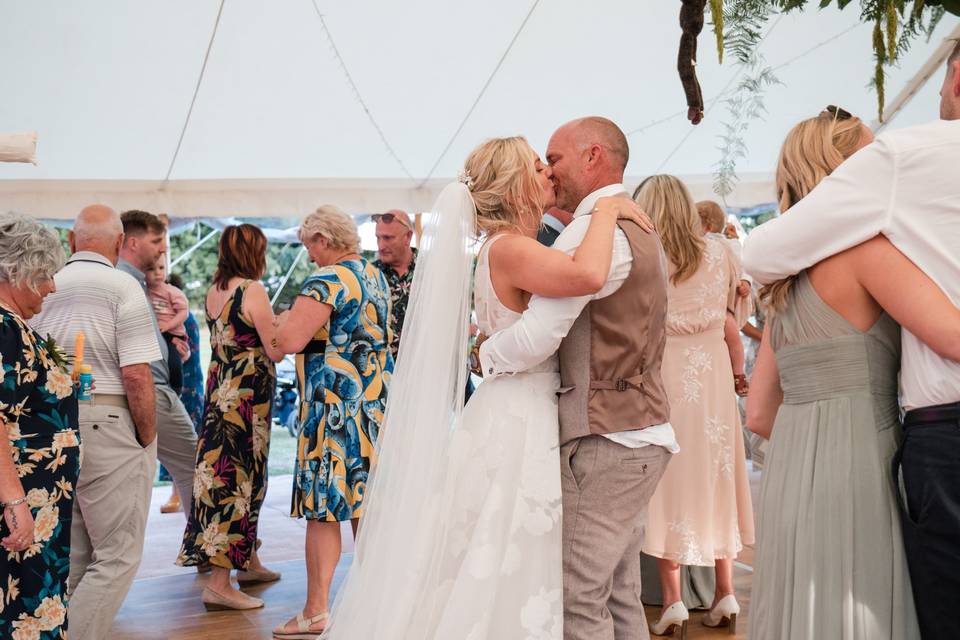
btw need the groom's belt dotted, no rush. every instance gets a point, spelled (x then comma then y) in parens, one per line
(620, 384)
(930, 415)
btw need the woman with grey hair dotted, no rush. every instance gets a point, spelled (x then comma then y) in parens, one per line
(340, 323)
(39, 438)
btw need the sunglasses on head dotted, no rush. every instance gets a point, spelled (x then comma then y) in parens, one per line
(389, 218)
(838, 113)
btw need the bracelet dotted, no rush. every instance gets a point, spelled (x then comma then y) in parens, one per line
(14, 503)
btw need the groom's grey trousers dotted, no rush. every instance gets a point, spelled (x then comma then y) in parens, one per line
(606, 488)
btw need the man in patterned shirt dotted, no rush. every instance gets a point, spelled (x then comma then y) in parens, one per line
(397, 261)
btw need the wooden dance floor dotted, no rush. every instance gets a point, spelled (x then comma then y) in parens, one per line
(164, 602)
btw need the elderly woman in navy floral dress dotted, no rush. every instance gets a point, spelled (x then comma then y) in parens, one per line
(341, 324)
(39, 440)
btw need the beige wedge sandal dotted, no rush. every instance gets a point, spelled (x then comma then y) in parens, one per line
(303, 631)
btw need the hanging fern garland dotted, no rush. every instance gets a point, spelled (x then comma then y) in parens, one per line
(738, 26)
(880, 55)
(716, 16)
(744, 108)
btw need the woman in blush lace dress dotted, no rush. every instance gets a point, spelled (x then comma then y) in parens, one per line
(701, 513)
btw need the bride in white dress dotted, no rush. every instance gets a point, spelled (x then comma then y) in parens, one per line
(462, 535)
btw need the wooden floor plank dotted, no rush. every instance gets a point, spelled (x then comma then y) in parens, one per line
(169, 608)
(164, 602)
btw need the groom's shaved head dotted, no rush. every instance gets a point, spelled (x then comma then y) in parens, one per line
(586, 154)
(597, 130)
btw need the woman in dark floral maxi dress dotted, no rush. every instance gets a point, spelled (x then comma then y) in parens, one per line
(230, 482)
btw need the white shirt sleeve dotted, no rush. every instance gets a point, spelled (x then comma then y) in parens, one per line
(538, 333)
(847, 208)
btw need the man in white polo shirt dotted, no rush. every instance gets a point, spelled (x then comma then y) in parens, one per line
(117, 429)
(905, 186)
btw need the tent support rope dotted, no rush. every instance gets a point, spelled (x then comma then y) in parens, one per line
(483, 90)
(289, 273)
(186, 254)
(356, 92)
(193, 101)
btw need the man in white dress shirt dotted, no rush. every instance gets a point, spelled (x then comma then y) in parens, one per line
(614, 432)
(906, 186)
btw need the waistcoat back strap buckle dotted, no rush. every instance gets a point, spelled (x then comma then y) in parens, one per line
(620, 384)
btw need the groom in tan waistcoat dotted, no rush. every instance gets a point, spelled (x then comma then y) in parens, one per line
(615, 434)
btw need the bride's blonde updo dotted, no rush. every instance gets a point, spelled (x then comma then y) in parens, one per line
(502, 178)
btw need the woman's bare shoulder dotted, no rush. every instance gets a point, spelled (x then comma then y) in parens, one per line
(507, 246)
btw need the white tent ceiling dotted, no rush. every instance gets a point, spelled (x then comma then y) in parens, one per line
(277, 128)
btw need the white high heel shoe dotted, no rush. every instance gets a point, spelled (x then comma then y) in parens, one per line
(724, 613)
(673, 617)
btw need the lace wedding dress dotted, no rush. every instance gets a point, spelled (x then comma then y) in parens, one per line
(501, 569)
(482, 556)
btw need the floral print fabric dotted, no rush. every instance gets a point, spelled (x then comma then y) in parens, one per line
(230, 482)
(399, 297)
(345, 376)
(39, 409)
(701, 509)
(192, 394)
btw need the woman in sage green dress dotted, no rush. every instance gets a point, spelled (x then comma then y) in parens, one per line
(830, 561)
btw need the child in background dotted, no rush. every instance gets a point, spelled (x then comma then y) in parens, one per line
(171, 308)
(714, 221)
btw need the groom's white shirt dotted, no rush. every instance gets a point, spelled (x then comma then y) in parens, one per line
(906, 186)
(545, 323)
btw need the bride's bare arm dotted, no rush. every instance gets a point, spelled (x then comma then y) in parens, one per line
(529, 266)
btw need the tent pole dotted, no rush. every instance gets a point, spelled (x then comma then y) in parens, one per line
(283, 282)
(418, 227)
(165, 219)
(186, 254)
(918, 81)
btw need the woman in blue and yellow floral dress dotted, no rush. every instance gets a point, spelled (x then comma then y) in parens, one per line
(340, 323)
(39, 441)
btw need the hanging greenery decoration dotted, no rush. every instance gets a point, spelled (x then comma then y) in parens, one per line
(716, 16)
(744, 108)
(738, 26)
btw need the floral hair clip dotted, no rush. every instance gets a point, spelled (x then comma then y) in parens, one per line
(466, 179)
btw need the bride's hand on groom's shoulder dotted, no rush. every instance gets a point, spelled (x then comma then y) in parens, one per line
(624, 209)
